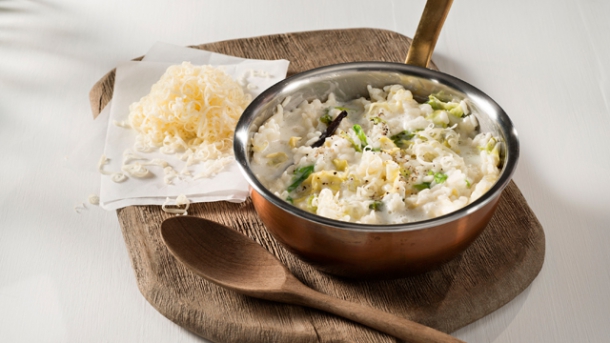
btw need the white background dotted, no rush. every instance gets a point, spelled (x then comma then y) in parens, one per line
(66, 277)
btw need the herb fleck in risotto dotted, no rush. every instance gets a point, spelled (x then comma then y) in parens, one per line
(383, 160)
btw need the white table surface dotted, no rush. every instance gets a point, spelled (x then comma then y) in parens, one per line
(67, 277)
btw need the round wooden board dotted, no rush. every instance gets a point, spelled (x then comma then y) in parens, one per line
(499, 265)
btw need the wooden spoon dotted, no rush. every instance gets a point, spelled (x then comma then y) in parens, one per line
(228, 258)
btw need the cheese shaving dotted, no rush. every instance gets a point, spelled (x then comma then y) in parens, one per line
(94, 199)
(79, 208)
(181, 200)
(135, 169)
(116, 177)
(243, 79)
(122, 123)
(214, 166)
(100, 165)
(170, 174)
(157, 162)
(129, 156)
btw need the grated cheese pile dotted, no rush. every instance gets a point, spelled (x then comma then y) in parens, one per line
(193, 110)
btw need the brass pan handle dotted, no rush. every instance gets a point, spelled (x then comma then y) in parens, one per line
(427, 32)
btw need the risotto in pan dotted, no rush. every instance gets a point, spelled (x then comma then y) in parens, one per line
(384, 159)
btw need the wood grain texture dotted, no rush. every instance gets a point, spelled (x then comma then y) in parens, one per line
(499, 265)
(304, 50)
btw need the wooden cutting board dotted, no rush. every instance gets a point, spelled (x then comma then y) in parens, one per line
(499, 265)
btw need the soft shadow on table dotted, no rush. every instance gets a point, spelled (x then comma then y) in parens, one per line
(496, 322)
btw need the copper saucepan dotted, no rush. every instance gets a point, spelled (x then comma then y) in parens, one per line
(377, 251)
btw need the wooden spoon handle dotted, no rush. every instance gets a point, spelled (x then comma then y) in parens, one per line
(383, 321)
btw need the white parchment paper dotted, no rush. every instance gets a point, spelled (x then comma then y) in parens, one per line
(133, 81)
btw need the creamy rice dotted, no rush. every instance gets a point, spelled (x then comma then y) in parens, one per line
(391, 159)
